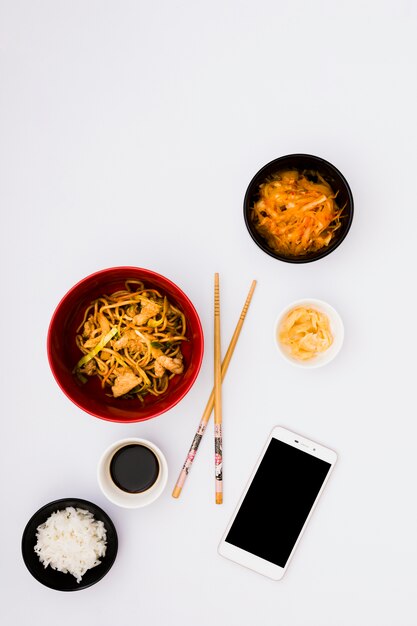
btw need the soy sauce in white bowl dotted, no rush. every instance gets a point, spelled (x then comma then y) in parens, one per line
(132, 472)
(134, 468)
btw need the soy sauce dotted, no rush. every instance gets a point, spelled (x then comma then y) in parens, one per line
(134, 468)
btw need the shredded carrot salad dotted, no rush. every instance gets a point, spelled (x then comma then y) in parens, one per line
(296, 213)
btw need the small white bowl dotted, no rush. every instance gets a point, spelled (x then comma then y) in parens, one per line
(124, 498)
(336, 327)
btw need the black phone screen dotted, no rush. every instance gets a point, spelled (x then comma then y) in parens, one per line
(278, 502)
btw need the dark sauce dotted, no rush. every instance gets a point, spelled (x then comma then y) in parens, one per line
(134, 468)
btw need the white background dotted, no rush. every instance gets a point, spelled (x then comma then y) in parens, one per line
(129, 132)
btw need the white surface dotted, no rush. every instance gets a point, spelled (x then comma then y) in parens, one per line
(129, 132)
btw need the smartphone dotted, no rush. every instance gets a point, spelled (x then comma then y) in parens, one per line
(277, 503)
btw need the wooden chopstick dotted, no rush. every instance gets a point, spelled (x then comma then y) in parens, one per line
(218, 440)
(209, 406)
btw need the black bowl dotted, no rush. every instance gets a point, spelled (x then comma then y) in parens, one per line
(57, 580)
(307, 163)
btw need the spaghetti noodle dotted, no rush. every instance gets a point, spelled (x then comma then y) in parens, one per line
(131, 340)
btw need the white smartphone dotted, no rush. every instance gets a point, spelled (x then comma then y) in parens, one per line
(277, 503)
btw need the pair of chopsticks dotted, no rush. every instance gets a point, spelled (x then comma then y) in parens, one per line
(215, 394)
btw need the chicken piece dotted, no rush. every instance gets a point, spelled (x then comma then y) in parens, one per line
(88, 328)
(91, 333)
(159, 369)
(124, 383)
(147, 311)
(90, 368)
(104, 323)
(175, 366)
(130, 340)
(91, 343)
(121, 343)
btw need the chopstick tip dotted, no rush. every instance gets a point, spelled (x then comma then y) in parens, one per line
(176, 492)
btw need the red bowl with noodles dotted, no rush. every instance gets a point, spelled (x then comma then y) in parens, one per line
(90, 392)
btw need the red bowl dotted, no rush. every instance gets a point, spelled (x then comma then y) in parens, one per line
(63, 352)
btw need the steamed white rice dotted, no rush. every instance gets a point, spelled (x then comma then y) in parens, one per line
(71, 541)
